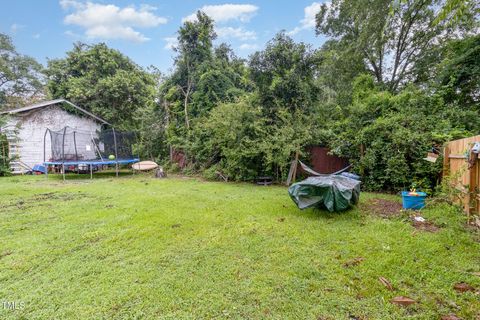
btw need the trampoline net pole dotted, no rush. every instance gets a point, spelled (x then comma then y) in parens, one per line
(63, 152)
(116, 151)
(45, 146)
(44, 153)
(75, 145)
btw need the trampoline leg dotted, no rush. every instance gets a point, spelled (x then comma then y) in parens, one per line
(91, 172)
(63, 171)
(46, 171)
(116, 169)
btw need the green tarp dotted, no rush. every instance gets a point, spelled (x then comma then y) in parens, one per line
(331, 192)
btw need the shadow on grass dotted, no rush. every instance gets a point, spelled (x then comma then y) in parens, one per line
(352, 214)
(107, 174)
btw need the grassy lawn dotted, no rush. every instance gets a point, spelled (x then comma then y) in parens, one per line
(137, 247)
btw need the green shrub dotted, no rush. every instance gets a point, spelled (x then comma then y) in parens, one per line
(4, 156)
(386, 136)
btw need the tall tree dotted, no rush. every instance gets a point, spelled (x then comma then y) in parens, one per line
(21, 78)
(223, 79)
(391, 35)
(284, 74)
(338, 66)
(458, 74)
(204, 77)
(102, 80)
(194, 48)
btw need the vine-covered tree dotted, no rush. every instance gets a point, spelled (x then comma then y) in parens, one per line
(204, 77)
(194, 49)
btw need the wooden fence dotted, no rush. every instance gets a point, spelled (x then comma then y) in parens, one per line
(464, 169)
(323, 162)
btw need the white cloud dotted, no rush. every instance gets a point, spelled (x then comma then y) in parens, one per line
(238, 33)
(308, 21)
(72, 34)
(107, 21)
(222, 32)
(248, 46)
(15, 27)
(67, 4)
(171, 43)
(225, 12)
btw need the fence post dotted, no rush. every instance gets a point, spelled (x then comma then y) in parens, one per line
(446, 161)
(472, 187)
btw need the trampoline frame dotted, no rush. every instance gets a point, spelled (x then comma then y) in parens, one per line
(89, 163)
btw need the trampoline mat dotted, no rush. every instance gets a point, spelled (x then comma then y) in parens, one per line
(97, 162)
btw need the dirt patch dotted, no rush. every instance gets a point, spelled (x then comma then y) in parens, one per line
(57, 196)
(353, 262)
(5, 253)
(41, 199)
(383, 208)
(425, 226)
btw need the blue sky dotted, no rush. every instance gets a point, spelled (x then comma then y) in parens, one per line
(144, 30)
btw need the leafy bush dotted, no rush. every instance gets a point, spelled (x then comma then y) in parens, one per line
(4, 156)
(387, 136)
(229, 139)
(211, 173)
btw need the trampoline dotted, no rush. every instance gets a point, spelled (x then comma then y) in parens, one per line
(82, 151)
(93, 162)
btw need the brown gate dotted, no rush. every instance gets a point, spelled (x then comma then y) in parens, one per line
(322, 162)
(463, 167)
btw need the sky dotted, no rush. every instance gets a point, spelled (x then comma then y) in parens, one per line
(145, 30)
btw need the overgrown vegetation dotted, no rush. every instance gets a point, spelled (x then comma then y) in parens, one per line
(4, 151)
(129, 249)
(4, 156)
(381, 97)
(393, 80)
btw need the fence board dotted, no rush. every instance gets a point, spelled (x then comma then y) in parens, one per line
(468, 181)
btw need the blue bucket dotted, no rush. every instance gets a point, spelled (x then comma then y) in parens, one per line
(413, 202)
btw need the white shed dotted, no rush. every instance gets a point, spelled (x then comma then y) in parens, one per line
(26, 127)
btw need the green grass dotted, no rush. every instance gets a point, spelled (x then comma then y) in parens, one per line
(180, 248)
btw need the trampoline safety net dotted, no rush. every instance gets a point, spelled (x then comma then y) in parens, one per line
(73, 145)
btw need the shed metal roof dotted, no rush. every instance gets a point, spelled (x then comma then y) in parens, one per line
(52, 102)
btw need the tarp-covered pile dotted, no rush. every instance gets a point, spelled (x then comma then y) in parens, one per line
(331, 192)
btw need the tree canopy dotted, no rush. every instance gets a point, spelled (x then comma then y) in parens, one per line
(390, 35)
(102, 80)
(21, 78)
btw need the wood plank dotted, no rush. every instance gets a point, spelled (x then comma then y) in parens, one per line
(446, 161)
(455, 164)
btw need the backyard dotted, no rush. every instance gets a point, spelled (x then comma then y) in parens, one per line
(138, 247)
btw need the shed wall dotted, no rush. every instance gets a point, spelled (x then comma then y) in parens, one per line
(32, 126)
